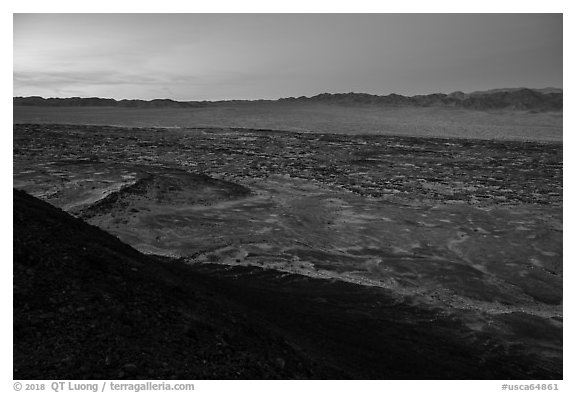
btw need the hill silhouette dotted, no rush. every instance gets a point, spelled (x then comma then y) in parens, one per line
(104, 102)
(538, 100)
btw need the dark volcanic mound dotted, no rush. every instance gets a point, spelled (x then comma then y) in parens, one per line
(169, 187)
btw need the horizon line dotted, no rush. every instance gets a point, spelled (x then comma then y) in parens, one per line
(293, 97)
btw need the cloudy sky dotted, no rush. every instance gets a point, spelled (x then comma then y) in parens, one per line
(251, 56)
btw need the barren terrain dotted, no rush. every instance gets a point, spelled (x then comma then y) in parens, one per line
(469, 228)
(318, 117)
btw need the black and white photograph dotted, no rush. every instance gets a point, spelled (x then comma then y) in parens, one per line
(287, 196)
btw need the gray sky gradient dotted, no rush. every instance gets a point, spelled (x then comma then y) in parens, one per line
(251, 56)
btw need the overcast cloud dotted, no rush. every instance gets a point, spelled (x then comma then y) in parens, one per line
(251, 56)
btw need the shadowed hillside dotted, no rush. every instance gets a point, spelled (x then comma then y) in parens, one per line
(87, 306)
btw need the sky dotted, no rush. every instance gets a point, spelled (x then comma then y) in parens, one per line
(268, 56)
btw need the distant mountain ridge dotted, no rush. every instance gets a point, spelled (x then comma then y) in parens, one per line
(96, 101)
(545, 90)
(539, 100)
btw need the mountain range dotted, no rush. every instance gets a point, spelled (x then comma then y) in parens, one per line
(522, 99)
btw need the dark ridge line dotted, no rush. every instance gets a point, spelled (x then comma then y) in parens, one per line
(539, 100)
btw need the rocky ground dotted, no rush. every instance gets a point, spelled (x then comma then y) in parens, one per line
(343, 240)
(475, 171)
(88, 306)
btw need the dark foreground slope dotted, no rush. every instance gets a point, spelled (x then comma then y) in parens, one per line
(88, 306)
